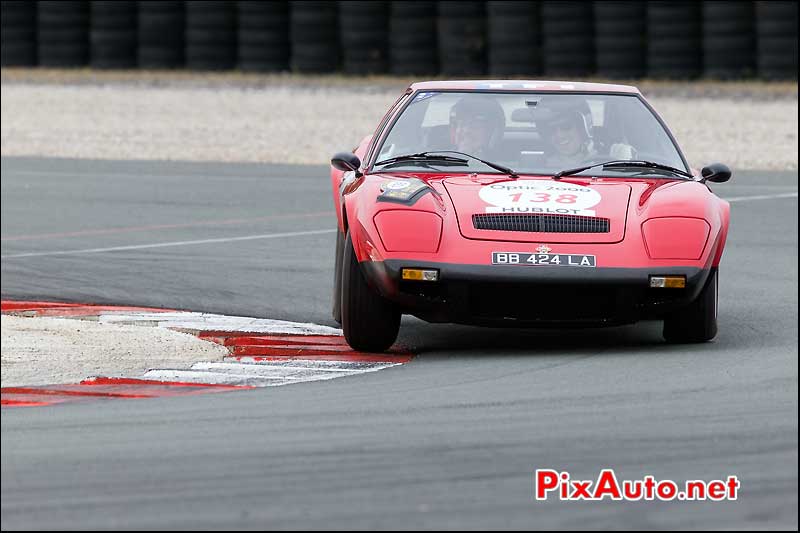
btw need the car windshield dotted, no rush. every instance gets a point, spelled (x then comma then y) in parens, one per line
(532, 133)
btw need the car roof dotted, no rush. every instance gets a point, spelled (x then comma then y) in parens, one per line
(523, 86)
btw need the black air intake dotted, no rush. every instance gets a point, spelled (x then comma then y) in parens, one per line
(539, 223)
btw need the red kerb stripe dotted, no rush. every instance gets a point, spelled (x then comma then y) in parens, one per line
(71, 309)
(13, 305)
(68, 392)
(23, 403)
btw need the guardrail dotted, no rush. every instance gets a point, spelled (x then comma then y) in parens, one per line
(613, 39)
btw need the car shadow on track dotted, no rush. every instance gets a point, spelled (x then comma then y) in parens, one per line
(642, 338)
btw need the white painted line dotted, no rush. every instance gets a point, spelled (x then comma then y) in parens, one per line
(99, 174)
(267, 368)
(211, 377)
(275, 372)
(264, 369)
(214, 378)
(209, 321)
(169, 244)
(269, 374)
(318, 364)
(761, 197)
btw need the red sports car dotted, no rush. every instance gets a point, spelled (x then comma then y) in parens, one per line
(524, 204)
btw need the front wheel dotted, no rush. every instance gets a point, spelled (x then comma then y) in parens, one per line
(698, 321)
(337, 278)
(370, 322)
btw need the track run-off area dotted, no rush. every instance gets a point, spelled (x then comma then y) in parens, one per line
(449, 440)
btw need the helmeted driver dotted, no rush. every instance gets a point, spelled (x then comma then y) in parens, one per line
(476, 125)
(567, 131)
(567, 135)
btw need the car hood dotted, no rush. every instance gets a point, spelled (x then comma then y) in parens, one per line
(570, 210)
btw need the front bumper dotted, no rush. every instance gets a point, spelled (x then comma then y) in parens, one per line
(524, 296)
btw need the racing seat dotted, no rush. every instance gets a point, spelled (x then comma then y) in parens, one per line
(437, 138)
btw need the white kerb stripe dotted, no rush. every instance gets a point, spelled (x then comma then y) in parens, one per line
(214, 378)
(266, 369)
(209, 321)
(309, 363)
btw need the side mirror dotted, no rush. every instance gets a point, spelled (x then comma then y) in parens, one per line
(346, 161)
(717, 173)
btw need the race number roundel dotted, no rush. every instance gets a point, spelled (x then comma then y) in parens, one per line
(540, 197)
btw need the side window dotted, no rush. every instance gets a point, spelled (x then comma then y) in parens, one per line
(405, 130)
(378, 132)
(423, 126)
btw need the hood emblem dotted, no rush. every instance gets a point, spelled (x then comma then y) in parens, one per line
(543, 249)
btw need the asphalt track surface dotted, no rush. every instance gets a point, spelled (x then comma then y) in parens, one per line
(450, 440)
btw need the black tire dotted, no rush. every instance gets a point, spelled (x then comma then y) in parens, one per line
(112, 34)
(161, 34)
(513, 38)
(776, 34)
(314, 36)
(403, 9)
(337, 278)
(461, 30)
(18, 33)
(263, 36)
(512, 32)
(414, 62)
(413, 48)
(674, 33)
(511, 8)
(462, 8)
(17, 54)
(370, 323)
(63, 33)
(567, 38)
(729, 46)
(620, 38)
(364, 41)
(210, 35)
(698, 321)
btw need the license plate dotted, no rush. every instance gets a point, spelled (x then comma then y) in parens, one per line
(528, 259)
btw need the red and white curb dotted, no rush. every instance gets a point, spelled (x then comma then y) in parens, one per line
(263, 353)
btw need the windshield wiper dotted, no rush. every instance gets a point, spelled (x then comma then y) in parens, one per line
(433, 157)
(501, 168)
(623, 163)
(423, 157)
